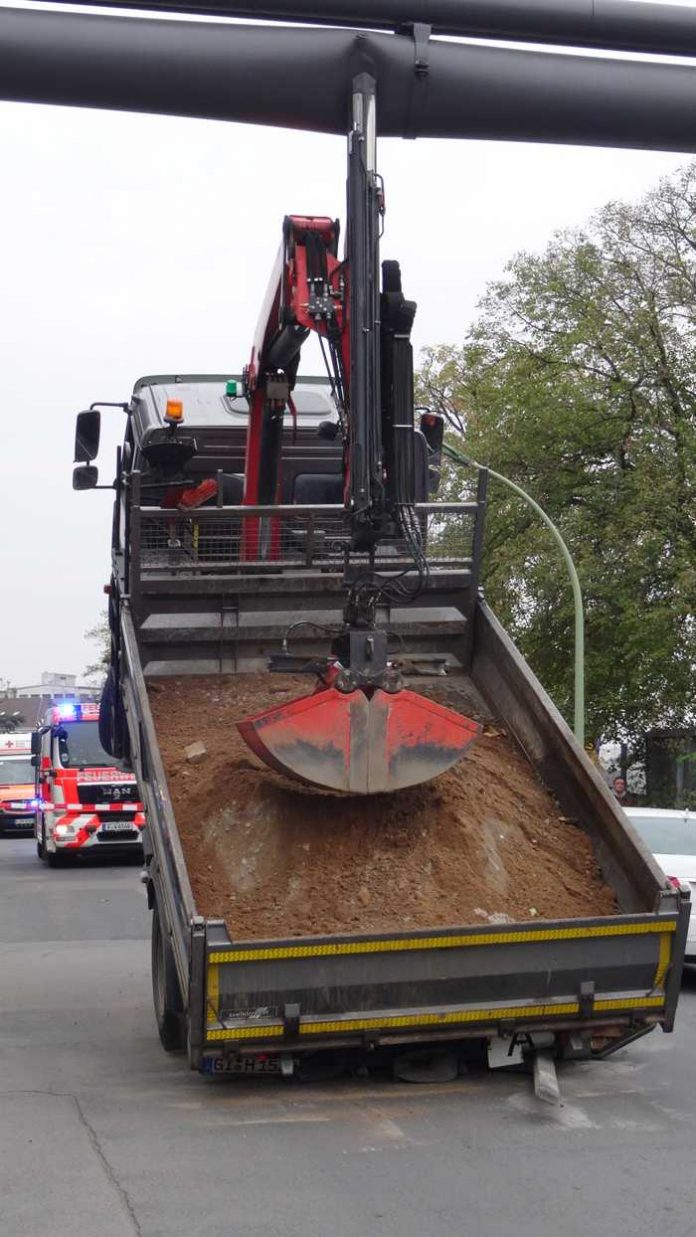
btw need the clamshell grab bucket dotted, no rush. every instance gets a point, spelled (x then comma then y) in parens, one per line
(359, 743)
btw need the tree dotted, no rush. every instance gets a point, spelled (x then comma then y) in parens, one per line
(99, 635)
(578, 381)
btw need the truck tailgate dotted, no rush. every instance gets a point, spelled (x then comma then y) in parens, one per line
(464, 982)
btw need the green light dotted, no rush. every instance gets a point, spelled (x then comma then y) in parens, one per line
(231, 388)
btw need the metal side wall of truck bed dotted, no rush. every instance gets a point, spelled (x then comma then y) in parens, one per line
(517, 698)
(166, 865)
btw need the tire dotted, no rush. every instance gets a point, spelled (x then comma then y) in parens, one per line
(55, 859)
(166, 993)
(41, 844)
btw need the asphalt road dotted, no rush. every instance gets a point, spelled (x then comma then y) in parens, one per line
(103, 1135)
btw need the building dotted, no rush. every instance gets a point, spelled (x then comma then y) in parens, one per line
(61, 686)
(23, 708)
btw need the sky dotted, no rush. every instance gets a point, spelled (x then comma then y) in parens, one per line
(134, 244)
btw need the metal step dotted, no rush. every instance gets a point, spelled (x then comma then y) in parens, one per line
(301, 583)
(233, 625)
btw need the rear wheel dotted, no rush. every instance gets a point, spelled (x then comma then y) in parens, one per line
(166, 993)
(55, 859)
(41, 842)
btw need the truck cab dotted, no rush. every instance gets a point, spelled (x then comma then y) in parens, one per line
(16, 783)
(86, 801)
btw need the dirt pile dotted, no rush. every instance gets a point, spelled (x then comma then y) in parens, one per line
(483, 843)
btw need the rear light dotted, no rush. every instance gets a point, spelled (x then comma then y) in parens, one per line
(675, 881)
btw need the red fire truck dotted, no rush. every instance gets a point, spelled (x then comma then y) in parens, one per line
(86, 800)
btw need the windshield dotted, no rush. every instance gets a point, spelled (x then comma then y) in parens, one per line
(16, 772)
(667, 837)
(79, 746)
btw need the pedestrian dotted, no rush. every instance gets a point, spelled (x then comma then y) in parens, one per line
(619, 788)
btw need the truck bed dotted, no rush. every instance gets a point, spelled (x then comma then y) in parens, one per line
(510, 899)
(484, 843)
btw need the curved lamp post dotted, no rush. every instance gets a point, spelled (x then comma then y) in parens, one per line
(579, 711)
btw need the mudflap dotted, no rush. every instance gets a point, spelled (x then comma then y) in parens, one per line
(359, 743)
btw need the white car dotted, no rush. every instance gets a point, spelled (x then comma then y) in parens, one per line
(671, 836)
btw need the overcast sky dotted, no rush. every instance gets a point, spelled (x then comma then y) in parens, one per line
(139, 244)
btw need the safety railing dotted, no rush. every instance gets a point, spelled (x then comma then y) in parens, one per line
(236, 540)
(281, 537)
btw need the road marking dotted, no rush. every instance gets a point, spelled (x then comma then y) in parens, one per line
(385, 1127)
(380, 1092)
(608, 1093)
(292, 1119)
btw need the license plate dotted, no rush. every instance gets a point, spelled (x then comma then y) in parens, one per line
(117, 826)
(242, 1065)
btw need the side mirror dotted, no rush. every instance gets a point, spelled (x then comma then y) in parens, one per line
(87, 432)
(35, 742)
(63, 750)
(85, 477)
(432, 427)
(34, 762)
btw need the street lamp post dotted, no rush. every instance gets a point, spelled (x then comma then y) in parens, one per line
(579, 710)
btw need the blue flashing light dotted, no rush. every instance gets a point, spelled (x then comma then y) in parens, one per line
(68, 712)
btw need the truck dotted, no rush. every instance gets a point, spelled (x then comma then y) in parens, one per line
(265, 522)
(16, 782)
(84, 800)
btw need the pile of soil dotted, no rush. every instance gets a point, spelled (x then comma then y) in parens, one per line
(483, 843)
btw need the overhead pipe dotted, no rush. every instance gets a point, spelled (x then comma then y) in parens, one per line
(300, 78)
(619, 25)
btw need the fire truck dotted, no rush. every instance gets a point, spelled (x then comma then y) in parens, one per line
(86, 801)
(17, 801)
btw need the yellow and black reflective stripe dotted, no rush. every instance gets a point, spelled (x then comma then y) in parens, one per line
(332, 949)
(213, 995)
(663, 961)
(329, 1026)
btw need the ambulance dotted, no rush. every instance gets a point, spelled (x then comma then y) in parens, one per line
(17, 802)
(86, 801)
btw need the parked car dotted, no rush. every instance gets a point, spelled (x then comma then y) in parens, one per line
(671, 836)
